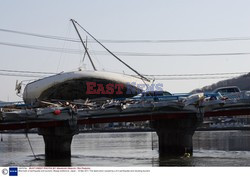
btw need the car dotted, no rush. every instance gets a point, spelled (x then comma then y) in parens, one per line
(153, 93)
(213, 96)
(224, 91)
(153, 96)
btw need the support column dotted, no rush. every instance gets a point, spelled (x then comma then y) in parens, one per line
(57, 141)
(175, 135)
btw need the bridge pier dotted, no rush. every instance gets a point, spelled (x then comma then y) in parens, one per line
(175, 135)
(58, 141)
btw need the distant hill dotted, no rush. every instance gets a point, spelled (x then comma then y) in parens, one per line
(243, 82)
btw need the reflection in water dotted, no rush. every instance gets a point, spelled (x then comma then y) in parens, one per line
(174, 161)
(222, 140)
(59, 162)
(211, 148)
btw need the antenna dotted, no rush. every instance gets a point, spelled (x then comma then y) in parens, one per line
(86, 50)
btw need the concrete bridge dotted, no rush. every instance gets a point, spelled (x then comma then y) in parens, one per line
(174, 128)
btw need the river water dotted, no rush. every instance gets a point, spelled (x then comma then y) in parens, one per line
(211, 148)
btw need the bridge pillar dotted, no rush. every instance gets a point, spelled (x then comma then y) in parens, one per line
(175, 135)
(58, 141)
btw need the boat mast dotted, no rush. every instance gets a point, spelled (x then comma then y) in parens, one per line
(73, 21)
(142, 77)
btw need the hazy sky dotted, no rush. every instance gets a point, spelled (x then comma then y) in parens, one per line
(127, 20)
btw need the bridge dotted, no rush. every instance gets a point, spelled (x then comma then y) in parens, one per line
(174, 126)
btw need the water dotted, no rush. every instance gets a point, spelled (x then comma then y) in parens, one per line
(211, 148)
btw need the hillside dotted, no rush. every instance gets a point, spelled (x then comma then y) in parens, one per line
(243, 82)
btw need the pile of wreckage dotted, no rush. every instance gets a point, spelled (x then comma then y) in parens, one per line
(83, 109)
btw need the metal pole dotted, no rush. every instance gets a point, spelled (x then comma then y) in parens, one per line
(73, 21)
(112, 53)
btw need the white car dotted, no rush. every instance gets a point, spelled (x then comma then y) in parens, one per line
(224, 91)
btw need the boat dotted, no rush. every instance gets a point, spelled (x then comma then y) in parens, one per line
(85, 84)
(75, 85)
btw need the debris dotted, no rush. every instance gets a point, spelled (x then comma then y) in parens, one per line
(85, 108)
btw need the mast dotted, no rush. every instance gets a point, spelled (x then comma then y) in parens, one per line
(142, 77)
(73, 21)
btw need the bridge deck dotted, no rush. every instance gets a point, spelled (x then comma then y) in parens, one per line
(121, 118)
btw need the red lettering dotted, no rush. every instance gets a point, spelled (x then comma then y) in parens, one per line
(119, 87)
(90, 88)
(100, 89)
(110, 89)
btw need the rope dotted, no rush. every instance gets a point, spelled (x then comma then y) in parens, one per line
(152, 137)
(26, 134)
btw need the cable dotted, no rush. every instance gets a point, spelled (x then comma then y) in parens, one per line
(178, 40)
(167, 78)
(12, 73)
(64, 47)
(197, 74)
(192, 78)
(21, 75)
(40, 35)
(134, 54)
(52, 49)
(32, 72)
(131, 41)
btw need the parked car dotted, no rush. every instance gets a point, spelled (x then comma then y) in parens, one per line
(224, 91)
(152, 95)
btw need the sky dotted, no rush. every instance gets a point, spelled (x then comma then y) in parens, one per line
(127, 20)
